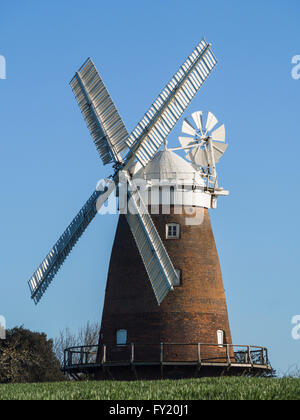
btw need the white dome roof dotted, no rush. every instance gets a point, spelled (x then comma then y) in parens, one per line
(168, 165)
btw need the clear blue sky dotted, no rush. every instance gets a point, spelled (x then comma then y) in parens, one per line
(49, 165)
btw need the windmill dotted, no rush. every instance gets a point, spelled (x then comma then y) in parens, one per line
(154, 254)
(117, 147)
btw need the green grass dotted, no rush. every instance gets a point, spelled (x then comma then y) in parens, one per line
(192, 389)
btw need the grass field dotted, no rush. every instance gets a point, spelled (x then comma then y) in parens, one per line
(192, 389)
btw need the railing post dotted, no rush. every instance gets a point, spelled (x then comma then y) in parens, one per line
(199, 353)
(262, 357)
(228, 354)
(87, 354)
(70, 358)
(161, 353)
(249, 355)
(132, 352)
(104, 354)
(267, 357)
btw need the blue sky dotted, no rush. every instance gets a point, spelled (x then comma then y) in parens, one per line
(49, 165)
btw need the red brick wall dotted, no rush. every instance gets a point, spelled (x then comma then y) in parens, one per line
(191, 313)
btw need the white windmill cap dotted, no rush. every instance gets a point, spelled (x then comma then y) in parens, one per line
(168, 165)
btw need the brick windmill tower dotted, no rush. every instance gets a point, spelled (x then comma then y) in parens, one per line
(165, 310)
(178, 195)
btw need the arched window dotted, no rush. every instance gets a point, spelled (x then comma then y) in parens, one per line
(121, 337)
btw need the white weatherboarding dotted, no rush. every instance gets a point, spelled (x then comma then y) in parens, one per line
(116, 146)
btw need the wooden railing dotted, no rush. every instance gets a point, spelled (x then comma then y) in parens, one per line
(166, 353)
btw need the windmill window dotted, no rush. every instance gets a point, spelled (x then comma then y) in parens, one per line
(173, 231)
(220, 336)
(121, 337)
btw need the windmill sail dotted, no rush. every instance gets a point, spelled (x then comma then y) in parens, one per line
(102, 118)
(157, 262)
(44, 275)
(112, 141)
(164, 113)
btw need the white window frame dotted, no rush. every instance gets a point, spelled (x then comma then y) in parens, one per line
(173, 225)
(121, 337)
(221, 338)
